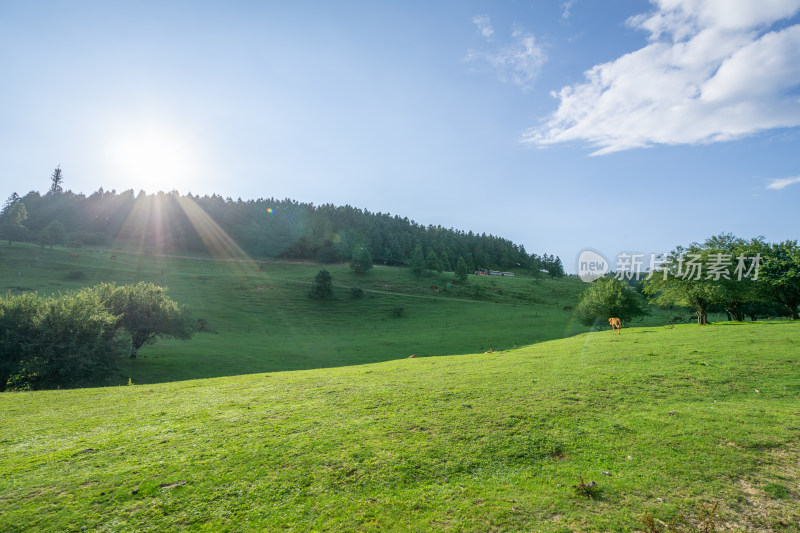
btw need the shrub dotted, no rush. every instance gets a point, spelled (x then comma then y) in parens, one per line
(357, 292)
(76, 275)
(52, 342)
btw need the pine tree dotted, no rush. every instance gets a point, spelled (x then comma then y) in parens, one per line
(57, 180)
(461, 270)
(417, 262)
(432, 262)
(14, 198)
(362, 260)
(322, 286)
(11, 219)
(444, 261)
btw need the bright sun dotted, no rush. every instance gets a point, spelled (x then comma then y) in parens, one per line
(152, 158)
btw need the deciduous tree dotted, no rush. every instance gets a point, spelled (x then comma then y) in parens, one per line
(53, 233)
(780, 274)
(608, 297)
(145, 313)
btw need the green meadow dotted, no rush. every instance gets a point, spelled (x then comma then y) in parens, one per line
(261, 318)
(299, 415)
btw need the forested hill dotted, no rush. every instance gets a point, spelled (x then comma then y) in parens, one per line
(167, 222)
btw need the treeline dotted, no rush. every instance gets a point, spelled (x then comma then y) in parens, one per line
(268, 228)
(745, 278)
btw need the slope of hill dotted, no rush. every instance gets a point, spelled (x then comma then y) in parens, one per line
(260, 318)
(685, 424)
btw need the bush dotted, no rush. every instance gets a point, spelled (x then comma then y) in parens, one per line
(52, 342)
(357, 293)
(76, 275)
(397, 311)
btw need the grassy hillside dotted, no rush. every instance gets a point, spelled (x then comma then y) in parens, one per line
(670, 423)
(264, 320)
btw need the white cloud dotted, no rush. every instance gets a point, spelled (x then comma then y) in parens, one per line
(518, 62)
(782, 183)
(566, 8)
(714, 70)
(484, 25)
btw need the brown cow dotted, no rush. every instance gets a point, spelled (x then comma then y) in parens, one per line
(616, 325)
(567, 308)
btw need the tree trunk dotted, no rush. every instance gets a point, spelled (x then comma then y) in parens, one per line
(701, 317)
(735, 311)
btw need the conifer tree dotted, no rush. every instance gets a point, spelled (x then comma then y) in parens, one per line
(56, 181)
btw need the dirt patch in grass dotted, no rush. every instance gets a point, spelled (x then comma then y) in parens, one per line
(171, 485)
(770, 499)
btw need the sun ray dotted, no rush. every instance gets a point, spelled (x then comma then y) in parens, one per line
(217, 242)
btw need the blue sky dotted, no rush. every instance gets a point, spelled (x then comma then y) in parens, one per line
(615, 125)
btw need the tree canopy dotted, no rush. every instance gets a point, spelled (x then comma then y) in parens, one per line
(740, 276)
(608, 297)
(780, 274)
(145, 313)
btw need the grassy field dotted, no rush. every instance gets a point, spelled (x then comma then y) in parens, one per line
(311, 416)
(265, 322)
(682, 425)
